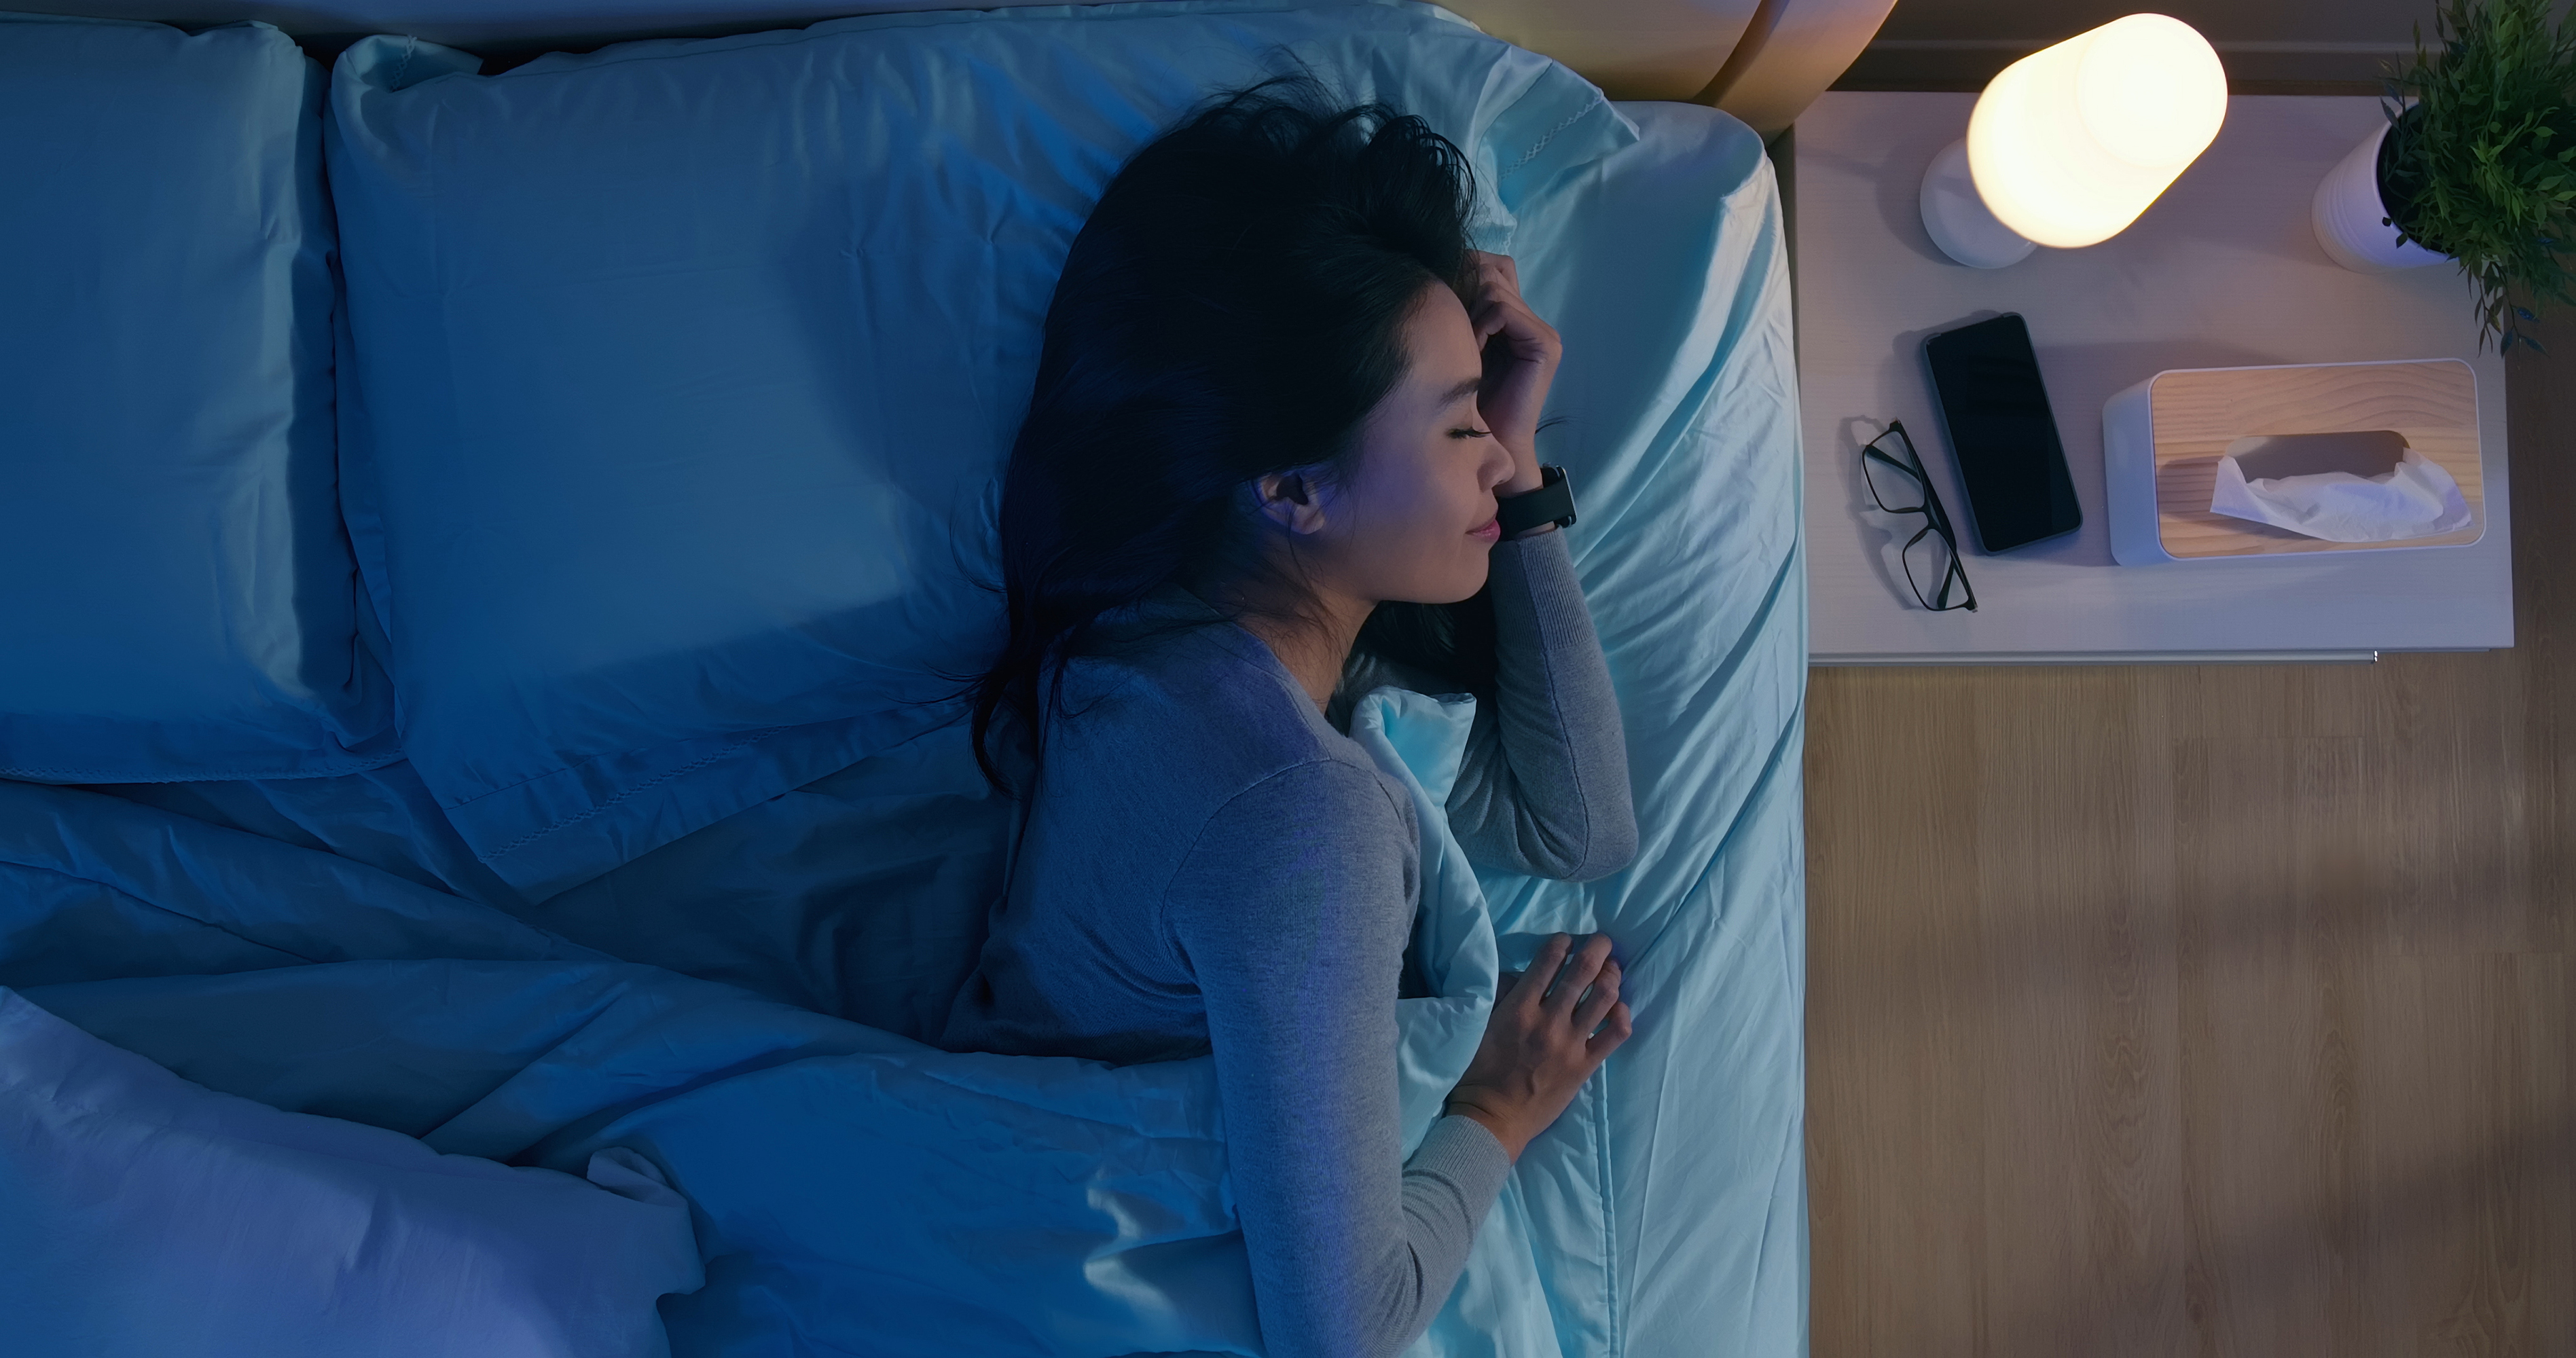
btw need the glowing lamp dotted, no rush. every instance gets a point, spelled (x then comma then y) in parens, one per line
(2069, 144)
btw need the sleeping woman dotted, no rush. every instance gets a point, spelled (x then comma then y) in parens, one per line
(1278, 403)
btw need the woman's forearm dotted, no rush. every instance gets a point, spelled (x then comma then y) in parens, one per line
(1543, 787)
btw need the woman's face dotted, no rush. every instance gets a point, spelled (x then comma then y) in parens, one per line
(1414, 522)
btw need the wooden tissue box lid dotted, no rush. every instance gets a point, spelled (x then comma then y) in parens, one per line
(2199, 412)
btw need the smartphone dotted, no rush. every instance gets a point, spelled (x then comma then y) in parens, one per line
(2001, 430)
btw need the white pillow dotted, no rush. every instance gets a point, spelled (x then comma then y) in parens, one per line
(178, 600)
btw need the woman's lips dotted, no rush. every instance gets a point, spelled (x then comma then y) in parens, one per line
(1492, 530)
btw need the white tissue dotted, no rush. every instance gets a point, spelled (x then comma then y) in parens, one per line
(2417, 499)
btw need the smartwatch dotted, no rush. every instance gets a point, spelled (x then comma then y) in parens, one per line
(1552, 502)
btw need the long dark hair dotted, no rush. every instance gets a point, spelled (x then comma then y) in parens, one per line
(1234, 307)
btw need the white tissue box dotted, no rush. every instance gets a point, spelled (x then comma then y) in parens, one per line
(2163, 438)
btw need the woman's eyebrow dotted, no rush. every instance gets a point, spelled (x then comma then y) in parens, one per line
(1463, 388)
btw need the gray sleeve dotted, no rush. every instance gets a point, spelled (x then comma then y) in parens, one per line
(1544, 786)
(1291, 910)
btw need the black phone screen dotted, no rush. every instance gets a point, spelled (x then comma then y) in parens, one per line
(2002, 432)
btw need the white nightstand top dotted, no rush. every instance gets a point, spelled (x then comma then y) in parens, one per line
(2223, 271)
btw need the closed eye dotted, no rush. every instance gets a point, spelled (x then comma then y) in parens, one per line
(1469, 433)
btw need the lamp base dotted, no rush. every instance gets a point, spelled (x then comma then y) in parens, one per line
(1959, 221)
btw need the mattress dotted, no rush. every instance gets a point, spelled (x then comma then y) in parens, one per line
(197, 922)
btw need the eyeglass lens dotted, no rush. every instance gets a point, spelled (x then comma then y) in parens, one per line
(1930, 565)
(1892, 479)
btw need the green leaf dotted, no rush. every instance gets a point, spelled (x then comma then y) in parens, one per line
(2480, 150)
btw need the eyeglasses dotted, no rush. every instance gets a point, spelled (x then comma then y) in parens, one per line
(1897, 481)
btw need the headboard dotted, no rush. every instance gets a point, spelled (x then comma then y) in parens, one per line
(1761, 60)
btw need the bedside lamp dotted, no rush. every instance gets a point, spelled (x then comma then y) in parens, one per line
(2069, 144)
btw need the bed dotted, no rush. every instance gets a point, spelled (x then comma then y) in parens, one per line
(476, 863)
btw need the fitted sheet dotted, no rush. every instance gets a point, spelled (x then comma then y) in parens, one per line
(1672, 1191)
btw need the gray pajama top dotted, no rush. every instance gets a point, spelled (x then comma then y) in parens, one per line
(1211, 864)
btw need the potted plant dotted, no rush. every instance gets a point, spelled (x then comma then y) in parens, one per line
(2477, 163)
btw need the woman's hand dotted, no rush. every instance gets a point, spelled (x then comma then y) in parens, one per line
(1521, 353)
(1539, 1046)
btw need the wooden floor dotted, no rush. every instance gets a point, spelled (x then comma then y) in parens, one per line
(2205, 1009)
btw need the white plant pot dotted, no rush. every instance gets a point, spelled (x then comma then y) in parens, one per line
(2348, 216)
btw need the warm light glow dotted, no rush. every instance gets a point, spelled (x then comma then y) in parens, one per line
(2069, 144)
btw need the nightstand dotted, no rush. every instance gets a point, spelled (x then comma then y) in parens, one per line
(2223, 271)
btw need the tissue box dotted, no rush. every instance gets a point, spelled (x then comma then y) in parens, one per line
(2162, 439)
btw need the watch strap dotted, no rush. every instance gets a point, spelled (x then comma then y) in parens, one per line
(1552, 502)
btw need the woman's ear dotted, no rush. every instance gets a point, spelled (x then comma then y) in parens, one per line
(1292, 500)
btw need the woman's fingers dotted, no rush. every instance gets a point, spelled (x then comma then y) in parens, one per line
(1532, 987)
(1596, 1006)
(1497, 311)
(1498, 305)
(1528, 342)
(1579, 985)
(1579, 972)
(1612, 1033)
